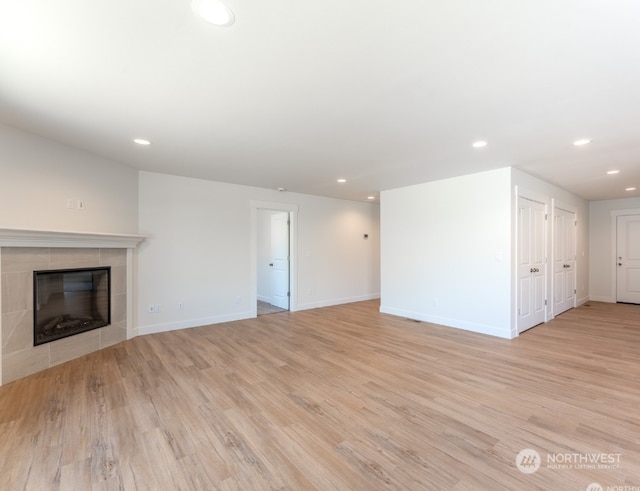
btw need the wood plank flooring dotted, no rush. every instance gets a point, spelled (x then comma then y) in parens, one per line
(339, 398)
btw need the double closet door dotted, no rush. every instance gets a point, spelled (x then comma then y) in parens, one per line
(532, 262)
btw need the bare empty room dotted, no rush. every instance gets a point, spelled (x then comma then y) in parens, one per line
(319, 246)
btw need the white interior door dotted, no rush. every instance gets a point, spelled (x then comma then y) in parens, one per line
(531, 263)
(280, 260)
(564, 261)
(628, 259)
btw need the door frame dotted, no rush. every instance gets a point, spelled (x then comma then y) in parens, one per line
(614, 248)
(557, 204)
(292, 209)
(540, 198)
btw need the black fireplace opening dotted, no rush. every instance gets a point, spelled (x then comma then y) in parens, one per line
(70, 301)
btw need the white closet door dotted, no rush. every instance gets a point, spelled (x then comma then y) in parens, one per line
(564, 261)
(531, 263)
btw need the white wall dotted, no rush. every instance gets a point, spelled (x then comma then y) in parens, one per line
(38, 176)
(448, 249)
(445, 252)
(199, 250)
(601, 238)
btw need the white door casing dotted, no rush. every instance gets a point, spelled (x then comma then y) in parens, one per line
(531, 259)
(564, 261)
(628, 259)
(279, 264)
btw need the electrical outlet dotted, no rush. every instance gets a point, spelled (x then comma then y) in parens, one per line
(80, 204)
(151, 308)
(238, 300)
(180, 306)
(156, 308)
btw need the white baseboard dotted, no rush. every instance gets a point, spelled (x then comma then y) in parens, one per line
(264, 298)
(597, 298)
(449, 322)
(337, 301)
(189, 323)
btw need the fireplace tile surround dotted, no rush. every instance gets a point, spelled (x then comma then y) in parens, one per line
(21, 253)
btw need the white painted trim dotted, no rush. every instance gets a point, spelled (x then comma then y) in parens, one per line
(532, 196)
(292, 209)
(556, 204)
(449, 322)
(338, 301)
(188, 324)
(14, 237)
(629, 211)
(131, 306)
(614, 248)
(581, 301)
(598, 298)
(546, 201)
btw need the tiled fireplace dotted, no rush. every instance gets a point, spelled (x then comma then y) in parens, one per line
(23, 252)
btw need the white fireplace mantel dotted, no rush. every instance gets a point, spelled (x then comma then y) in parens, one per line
(15, 237)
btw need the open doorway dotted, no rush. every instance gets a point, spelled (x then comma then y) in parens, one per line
(273, 288)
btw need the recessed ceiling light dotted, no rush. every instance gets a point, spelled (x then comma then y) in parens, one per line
(479, 144)
(630, 189)
(371, 197)
(611, 172)
(214, 12)
(582, 141)
(342, 180)
(141, 141)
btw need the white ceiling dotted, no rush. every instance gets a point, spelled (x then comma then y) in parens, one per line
(298, 93)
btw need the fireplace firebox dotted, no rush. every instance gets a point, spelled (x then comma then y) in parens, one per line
(70, 301)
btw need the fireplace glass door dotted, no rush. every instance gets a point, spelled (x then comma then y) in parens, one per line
(70, 301)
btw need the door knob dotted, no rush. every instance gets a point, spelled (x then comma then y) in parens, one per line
(270, 264)
(619, 264)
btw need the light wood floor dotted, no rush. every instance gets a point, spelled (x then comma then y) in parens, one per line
(340, 398)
